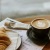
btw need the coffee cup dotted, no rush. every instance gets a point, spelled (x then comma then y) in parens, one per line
(40, 26)
(39, 29)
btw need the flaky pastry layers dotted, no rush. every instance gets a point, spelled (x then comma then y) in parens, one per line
(4, 39)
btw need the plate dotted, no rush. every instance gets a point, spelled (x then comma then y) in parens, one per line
(15, 40)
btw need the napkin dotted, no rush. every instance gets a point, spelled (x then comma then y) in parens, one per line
(27, 44)
(17, 23)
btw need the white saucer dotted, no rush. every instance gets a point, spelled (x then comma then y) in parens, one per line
(15, 40)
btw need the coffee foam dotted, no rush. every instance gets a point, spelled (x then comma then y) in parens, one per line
(40, 23)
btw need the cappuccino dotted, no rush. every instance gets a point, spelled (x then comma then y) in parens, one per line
(39, 30)
(40, 23)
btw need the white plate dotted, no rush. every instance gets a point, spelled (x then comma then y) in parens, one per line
(15, 40)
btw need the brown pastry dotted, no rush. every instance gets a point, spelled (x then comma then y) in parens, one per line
(4, 39)
(2, 29)
(7, 23)
(2, 46)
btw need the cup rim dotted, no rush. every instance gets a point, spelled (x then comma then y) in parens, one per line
(37, 19)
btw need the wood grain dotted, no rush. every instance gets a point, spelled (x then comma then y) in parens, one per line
(29, 19)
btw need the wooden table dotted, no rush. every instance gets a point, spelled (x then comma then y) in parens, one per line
(29, 19)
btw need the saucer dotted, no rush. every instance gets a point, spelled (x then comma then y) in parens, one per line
(32, 37)
(15, 40)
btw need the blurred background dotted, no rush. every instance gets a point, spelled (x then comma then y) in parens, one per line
(23, 8)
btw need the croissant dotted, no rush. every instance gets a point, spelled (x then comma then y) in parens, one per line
(4, 39)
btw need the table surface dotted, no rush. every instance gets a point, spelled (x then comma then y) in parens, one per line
(28, 21)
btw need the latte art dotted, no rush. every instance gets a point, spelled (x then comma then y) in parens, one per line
(40, 23)
(39, 30)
